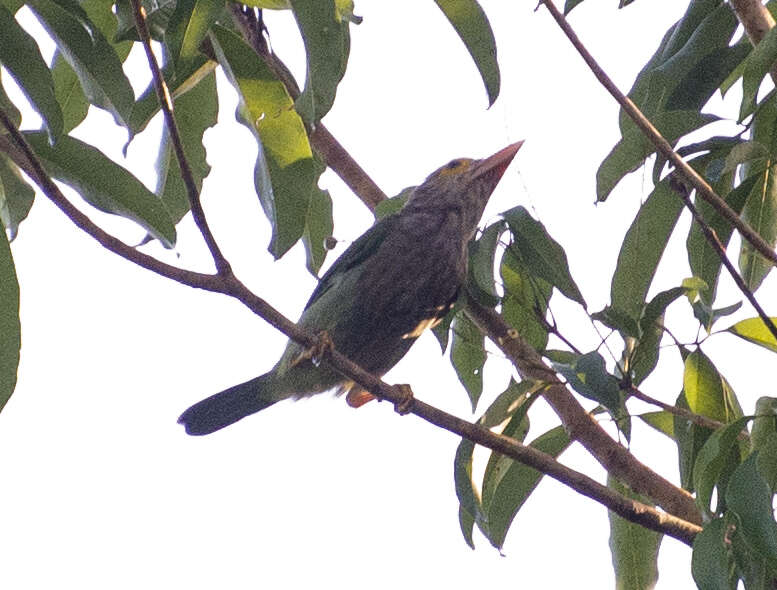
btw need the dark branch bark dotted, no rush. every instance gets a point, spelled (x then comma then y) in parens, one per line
(166, 104)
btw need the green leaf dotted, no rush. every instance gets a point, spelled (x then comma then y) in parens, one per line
(9, 107)
(589, 377)
(482, 252)
(760, 210)
(472, 26)
(284, 175)
(690, 439)
(704, 261)
(21, 57)
(179, 81)
(393, 204)
(16, 196)
(749, 497)
(634, 548)
(511, 401)
(318, 227)
(67, 87)
(642, 249)
(516, 485)
(764, 439)
(616, 319)
(104, 184)
(468, 356)
(706, 391)
(629, 153)
(540, 253)
(327, 44)
(713, 458)
(442, 330)
(661, 420)
(10, 328)
(525, 302)
(645, 356)
(757, 65)
(189, 26)
(754, 330)
(158, 14)
(93, 59)
(195, 111)
(710, 562)
(569, 5)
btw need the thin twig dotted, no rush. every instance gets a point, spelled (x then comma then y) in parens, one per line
(228, 284)
(720, 250)
(662, 145)
(166, 104)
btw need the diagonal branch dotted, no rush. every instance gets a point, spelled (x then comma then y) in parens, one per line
(690, 175)
(580, 425)
(166, 103)
(23, 155)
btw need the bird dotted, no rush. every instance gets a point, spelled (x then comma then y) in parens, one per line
(396, 280)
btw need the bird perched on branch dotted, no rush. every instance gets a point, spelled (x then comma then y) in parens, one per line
(398, 279)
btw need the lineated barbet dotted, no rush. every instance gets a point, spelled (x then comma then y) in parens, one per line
(399, 278)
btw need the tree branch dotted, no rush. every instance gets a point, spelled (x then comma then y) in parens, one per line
(692, 177)
(23, 155)
(166, 104)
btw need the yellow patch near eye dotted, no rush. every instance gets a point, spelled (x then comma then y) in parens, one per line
(455, 166)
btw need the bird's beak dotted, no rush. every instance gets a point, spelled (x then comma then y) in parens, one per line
(494, 166)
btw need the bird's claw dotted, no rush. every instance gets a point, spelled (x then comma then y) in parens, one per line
(316, 352)
(405, 403)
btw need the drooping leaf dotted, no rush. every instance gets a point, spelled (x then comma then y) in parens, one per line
(757, 65)
(318, 227)
(284, 173)
(764, 439)
(754, 330)
(645, 356)
(540, 253)
(93, 59)
(760, 210)
(710, 562)
(704, 261)
(589, 377)
(525, 301)
(195, 112)
(468, 356)
(707, 316)
(569, 5)
(642, 249)
(472, 26)
(16, 196)
(707, 392)
(10, 328)
(67, 86)
(712, 459)
(20, 55)
(516, 485)
(634, 548)
(104, 184)
(749, 497)
(629, 153)
(327, 45)
(482, 252)
(690, 438)
(158, 14)
(188, 27)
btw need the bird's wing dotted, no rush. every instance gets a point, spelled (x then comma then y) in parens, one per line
(364, 246)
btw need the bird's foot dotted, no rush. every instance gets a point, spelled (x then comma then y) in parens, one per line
(403, 405)
(316, 352)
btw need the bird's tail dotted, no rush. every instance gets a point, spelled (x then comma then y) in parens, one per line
(228, 406)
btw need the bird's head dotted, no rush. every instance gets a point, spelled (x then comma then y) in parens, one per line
(462, 186)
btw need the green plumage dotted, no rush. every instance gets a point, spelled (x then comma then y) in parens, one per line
(399, 276)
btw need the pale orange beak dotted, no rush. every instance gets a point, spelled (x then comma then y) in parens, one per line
(494, 166)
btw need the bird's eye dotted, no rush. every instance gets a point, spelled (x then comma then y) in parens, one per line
(453, 164)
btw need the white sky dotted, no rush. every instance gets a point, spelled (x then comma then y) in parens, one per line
(101, 488)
